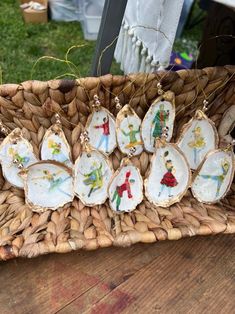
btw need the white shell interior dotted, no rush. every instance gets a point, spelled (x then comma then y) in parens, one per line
(197, 140)
(21, 151)
(92, 177)
(96, 130)
(207, 185)
(48, 185)
(167, 181)
(153, 126)
(128, 134)
(55, 147)
(128, 201)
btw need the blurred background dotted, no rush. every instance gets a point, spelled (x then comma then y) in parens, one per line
(64, 23)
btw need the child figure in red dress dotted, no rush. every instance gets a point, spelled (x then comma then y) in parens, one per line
(168, 180)
(120, 189)
(105, 135)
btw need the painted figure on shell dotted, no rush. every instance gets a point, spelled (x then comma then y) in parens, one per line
(125, 187)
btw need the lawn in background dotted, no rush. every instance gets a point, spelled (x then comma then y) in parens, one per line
(22, 44)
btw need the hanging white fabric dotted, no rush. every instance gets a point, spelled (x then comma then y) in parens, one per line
(147, 34)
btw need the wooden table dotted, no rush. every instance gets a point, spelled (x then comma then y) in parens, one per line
(194, 275)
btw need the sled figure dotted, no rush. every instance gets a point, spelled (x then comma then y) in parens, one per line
(197, 144)
(219, 179)
(133, 141)
(94, 179)
(159, 122)
(105, 135)
(125, 187)
(168, 181)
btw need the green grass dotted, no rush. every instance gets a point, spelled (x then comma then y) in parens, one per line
(22, 45)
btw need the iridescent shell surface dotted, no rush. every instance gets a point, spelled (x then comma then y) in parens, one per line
(15, 147)
(93, 173)
(214, 176)
(128, 131)
(169, 176)
(198, 137)
(160, 116)
(48, 185)
(102, 132)
(55, 146)
(126, 189)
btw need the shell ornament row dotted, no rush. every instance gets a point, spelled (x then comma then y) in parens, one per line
(55, 180)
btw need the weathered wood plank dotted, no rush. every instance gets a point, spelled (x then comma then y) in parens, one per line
(192, 276)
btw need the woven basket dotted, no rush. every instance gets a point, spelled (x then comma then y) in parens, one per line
(30, 106)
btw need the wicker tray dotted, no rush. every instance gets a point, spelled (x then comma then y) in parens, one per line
(30, 106)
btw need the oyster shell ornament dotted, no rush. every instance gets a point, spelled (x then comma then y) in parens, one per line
(128, 131)
(161, 115)
(16, 153)
(47, 185)
(101, 128)
(169, 177)
(126, 188)
(198, 137)
(55, 145)
(93, 172)
(213, 179)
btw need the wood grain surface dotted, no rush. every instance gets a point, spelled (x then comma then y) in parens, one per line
(194, 275)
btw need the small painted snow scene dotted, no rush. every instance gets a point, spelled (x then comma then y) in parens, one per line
(102, 132)
(160, 116)
(48, 185)
(169, 176)
(126, 189)
(15, 150)
(93, 173)
(55, 146)
(197, 139)
(128, 131)
(215, 176)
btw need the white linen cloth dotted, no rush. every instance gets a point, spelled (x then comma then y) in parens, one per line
(147, 34)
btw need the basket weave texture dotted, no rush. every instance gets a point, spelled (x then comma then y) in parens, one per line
(31, 106)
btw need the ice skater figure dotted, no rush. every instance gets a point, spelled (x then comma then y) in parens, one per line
(125, 187)
(219, 179)
(105, 135)
(56, 152)
(54, 183)
(197, 144)
(132, 134)
(168, 181)
(159, 122)
(94, 179)
(16, 157)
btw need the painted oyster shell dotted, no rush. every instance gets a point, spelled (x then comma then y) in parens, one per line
(160, 116)
(15, 146)
(102, 132)
(198, 137)
(169, 176)
(93, 173)
(48, 185)
(126, 189)
(128, 131)
(214, 176)
(55, 146)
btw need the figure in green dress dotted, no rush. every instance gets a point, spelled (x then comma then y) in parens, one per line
(159, 122)
(132, 134)
(219, 179)
(94, 179)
